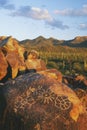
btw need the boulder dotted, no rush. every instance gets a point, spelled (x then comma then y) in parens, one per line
(14, 55)
(36, 101)
(3, 65)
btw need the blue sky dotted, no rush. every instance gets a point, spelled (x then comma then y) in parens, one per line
(28, 19)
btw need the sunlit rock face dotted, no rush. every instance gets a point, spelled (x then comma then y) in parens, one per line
(53, 73)
(14, 55)
(37, 101)
(3, 65)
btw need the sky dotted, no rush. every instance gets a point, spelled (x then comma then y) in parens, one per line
(29, 19)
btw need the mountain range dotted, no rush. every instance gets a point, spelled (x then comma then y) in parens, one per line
(51, 44)
(80, 41)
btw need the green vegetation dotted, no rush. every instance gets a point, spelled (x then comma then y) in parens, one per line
(67, 63)
(65, 59)
(69, 57)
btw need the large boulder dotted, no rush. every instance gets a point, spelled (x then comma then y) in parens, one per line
(38, 102)
(13, 54)
(3, 65)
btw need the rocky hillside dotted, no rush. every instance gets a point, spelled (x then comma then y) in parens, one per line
(41, 41)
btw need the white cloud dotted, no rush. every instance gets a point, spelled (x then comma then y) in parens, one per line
(40, 13)
(32, 12)
(73, 12)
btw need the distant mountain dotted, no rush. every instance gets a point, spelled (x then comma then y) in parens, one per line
(41, 42)
(50, 45)
(76, 42)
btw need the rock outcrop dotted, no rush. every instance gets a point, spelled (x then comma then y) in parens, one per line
(3, 65)
(37, 101)
(13, 54)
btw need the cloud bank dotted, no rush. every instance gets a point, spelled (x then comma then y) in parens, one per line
(39, 14)
(32, 12)
(73, 12)
(56, 24)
